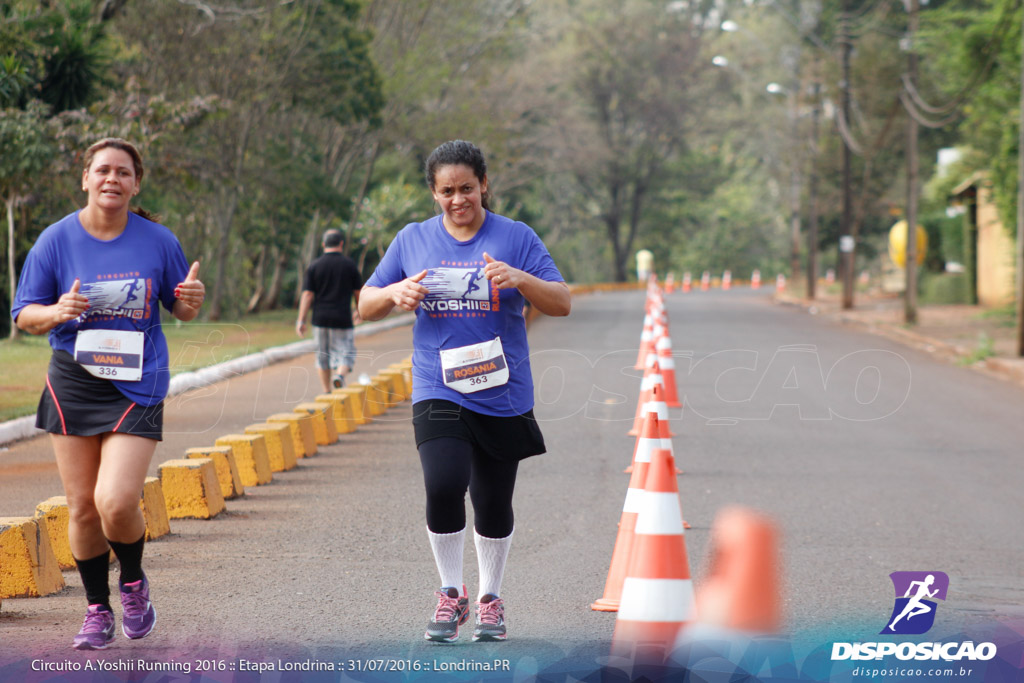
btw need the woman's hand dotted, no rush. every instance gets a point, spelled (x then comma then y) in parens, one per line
(501, 274)
(408, 293)
(190, 294)
(71, 304)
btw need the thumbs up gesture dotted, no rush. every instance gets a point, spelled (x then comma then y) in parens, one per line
(408, 293)
(191, 291)
(71, 304)
(501, 274)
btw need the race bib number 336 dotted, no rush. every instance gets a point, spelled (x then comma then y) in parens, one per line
(110, 354)
(475, 367)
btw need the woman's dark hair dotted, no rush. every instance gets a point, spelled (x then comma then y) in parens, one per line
(458, 153)
(129, 149)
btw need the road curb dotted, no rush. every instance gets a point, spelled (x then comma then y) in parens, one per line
(25, 427)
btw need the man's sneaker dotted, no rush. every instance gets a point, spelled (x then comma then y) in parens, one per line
(338, 382)
(139, 617)
(490, 619)
(97, 630)
(452, 611)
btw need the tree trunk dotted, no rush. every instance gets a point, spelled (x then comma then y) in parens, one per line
(306, 254)
(12, 281)
(359, 199)
(229, 200)
(257, 295)
(272, 297)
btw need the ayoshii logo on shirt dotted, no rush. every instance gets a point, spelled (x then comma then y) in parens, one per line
(123, 297)
(459, 287)
(916, 593)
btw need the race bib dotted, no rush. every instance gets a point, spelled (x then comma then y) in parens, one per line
(475, 367)
(110, 354)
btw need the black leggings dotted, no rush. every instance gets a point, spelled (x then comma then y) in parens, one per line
(452, 465)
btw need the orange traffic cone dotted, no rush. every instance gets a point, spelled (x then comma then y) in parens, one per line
(687, 281)
(755, 279)
(667, 363)
(657, 595)
(742, 588)
(648, 441)
(646, 445)
(670, 282)
(652, 377)
(780, 283)
(656, 404)
(646, 342)
(705, 281)
(727, 279)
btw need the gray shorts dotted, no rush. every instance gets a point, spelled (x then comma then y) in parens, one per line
(334, 347)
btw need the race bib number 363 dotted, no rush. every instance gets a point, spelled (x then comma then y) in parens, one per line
(475, 367)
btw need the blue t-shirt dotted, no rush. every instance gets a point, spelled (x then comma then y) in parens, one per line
(464, 307)
(123, 278)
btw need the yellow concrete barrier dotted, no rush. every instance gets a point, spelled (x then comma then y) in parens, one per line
(154, 509)
(55, 510)
(224, 464)
(301, 426)
(191, 489)
(354, 405)
(28, 567)
(391, 392)
(251, 457)
(397, 376)
(279, 444)
(324, 427)
(342, 408)
(379, 397)
(361, 393)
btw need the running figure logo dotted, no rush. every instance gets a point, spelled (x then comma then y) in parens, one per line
(914, 611)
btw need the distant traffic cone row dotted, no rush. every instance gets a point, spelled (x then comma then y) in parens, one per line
(727, 279)
(687, 281)
(705, 281)
(780, 283)
(667, 364)
(657, 594)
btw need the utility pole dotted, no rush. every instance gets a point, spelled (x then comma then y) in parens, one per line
(910, 292)
(1020, 211)
(846, 241)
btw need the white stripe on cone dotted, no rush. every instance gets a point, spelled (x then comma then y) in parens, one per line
(658, 407)
(634, 500)
(645, 447)
(657, 600)
(660, 515)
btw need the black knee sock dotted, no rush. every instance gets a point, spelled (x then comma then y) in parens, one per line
(95, 574)
(130, 557)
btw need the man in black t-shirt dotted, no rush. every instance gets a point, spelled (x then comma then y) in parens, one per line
(330, 284)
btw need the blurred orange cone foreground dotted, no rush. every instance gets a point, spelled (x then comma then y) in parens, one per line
(741, 591)
(646, 445)
(657, 594)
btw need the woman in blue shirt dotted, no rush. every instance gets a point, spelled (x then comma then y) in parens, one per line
(93, 282)
(467, 274)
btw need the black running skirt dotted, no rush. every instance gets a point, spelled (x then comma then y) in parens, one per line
(76, 403)
(504, 438)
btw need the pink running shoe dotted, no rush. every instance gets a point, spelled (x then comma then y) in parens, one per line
(452, 611)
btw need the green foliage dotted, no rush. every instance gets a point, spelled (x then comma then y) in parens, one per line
(943, 288)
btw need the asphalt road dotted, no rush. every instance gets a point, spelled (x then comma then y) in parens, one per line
(872, 458)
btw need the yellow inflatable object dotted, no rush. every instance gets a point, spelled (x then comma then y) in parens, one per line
(898, 244)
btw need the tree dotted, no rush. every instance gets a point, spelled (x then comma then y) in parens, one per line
(27, 152)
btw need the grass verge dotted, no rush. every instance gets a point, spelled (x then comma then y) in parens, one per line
(191, 345)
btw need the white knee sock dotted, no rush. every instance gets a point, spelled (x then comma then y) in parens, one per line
(491, 554)
(448, 556)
